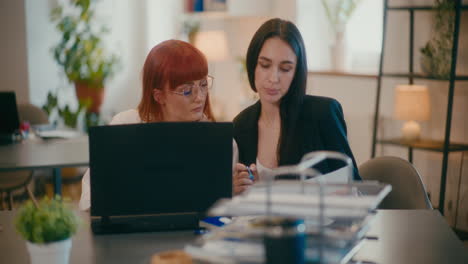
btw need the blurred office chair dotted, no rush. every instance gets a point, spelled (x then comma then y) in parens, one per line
(11, 181)
(408, 191)
(15, 180)
(33, 114)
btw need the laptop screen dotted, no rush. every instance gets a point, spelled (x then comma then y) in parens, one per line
(159, 168)
(9, 119)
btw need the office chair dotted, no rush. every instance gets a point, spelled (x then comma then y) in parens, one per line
(33, 114)
(11, 181)
(15, 180)
(408, 191)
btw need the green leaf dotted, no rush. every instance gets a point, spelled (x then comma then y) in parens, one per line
(339, 14)
(53, 220)
(80, 52)
(56, 13)
(437, 52)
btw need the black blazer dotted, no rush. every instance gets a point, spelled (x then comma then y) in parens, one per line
(321, 126)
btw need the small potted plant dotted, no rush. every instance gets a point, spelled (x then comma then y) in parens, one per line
(47, 227)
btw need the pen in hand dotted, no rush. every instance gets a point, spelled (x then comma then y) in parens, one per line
(251, 176)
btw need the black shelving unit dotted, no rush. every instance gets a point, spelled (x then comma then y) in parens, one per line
(444, 146)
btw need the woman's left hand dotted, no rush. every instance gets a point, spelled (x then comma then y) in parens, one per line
(242, 180)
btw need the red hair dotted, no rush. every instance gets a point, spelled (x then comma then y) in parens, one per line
(172, 63)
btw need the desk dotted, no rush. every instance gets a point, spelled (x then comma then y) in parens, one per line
(53, 153)
(404, 236)
(412, 236)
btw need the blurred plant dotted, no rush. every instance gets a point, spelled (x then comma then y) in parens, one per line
(246, 92)
(437, 53)
(80, 52)
(190, 28)
(81, 55)
(339, 12)
(48, 221)
(70, 117)
(243, 64)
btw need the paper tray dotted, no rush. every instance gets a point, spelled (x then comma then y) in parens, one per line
(289, 198)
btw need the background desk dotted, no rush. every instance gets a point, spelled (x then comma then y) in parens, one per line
(404, 236)
(52, 153)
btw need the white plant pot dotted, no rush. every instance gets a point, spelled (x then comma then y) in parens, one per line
(51, 253)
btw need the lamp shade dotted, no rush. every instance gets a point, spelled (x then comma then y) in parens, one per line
(412, 102)
(213, 44)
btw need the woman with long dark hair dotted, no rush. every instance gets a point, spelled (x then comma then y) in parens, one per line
(285, 123)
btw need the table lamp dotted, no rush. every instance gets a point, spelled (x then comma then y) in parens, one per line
(412, 104)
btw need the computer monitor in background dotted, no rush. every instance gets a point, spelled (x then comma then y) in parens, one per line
(9, 118)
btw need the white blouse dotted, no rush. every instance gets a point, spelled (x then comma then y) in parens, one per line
(129, 117)
(262, 170)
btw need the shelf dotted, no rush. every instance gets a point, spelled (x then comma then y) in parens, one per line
(423, 8)
(422, 76)
(345, 74)
(375, 75)
(426, 144)
(219, 15)
(206, 15)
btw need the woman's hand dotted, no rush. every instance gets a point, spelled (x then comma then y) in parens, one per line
(241, 180)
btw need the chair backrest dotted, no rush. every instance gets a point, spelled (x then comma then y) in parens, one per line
(33, 114)
(408, 191)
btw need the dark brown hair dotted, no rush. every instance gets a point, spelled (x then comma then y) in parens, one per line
(291, 102)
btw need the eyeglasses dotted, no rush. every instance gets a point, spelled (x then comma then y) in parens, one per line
(186, 90)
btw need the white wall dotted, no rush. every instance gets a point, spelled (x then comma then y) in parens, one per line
(13, 68)
(137, 27)
(44, 73)
(163, 20)
(312, 22)
(128, 20)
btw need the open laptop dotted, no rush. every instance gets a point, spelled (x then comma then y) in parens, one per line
(9, 118)
(157, 176)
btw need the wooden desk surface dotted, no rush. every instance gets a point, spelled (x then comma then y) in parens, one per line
(412, 236)
(52, 153)
(404, 236)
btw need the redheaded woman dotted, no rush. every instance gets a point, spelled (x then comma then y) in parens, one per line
(176, 88)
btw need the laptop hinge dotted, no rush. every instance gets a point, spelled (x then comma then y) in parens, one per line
(144, 223)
